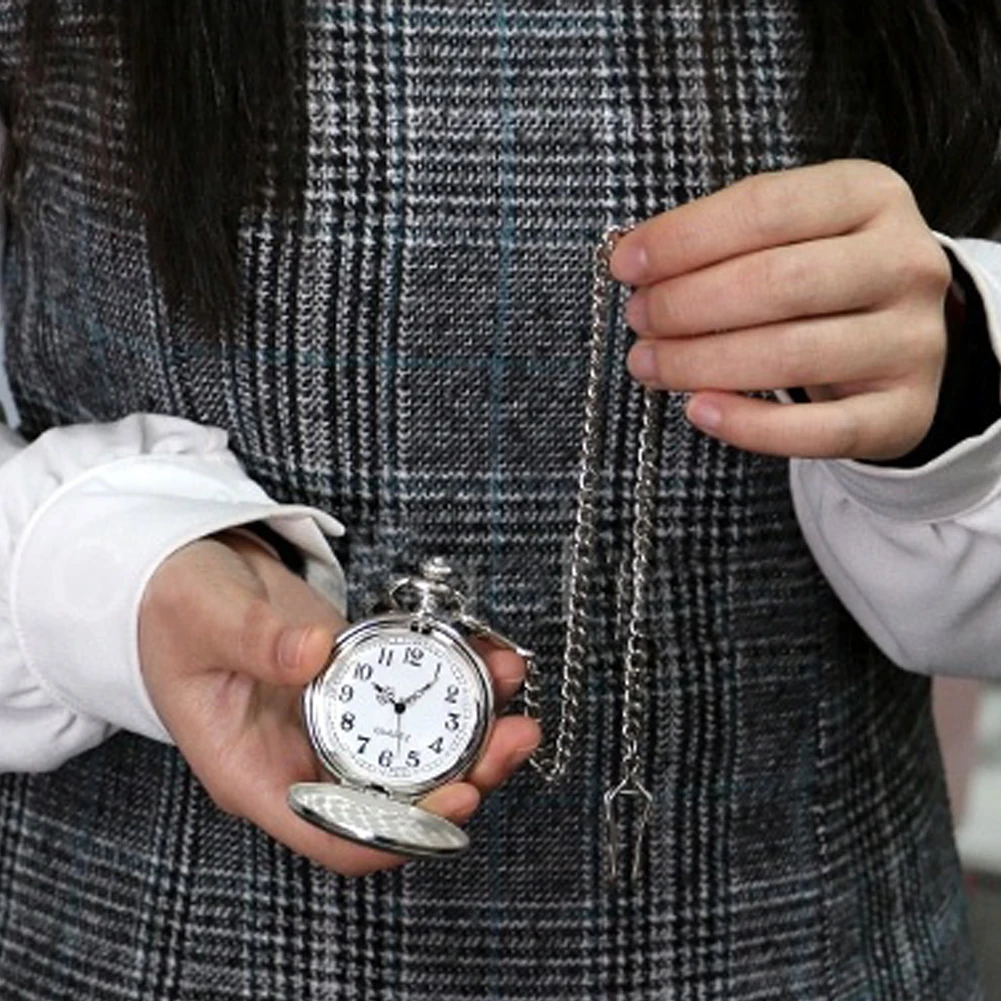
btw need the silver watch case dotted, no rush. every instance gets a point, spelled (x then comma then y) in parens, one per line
(375, 815)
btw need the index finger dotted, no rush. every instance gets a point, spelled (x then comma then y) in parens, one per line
(758, 212)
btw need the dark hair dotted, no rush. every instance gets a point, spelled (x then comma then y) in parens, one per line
(226, 130)
(216, 121)
(914, 83)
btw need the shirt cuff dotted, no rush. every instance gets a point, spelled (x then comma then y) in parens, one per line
(87, 551)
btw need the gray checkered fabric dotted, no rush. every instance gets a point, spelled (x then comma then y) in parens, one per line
(410, 355)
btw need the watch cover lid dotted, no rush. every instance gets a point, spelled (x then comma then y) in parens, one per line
(375, 820)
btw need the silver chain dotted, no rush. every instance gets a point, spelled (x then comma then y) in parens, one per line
(553, 758)
(635, 584)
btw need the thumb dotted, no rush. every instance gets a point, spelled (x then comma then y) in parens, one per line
(237, 612)
(276, 651)
(303, 652)
(287, 638)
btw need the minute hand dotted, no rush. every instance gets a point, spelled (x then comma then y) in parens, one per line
(414, 696)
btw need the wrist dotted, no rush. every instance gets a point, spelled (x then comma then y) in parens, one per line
(263, 535)
(968, 400)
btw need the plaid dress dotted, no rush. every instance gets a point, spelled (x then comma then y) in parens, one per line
(409, 354)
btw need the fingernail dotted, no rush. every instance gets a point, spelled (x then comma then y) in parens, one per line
(291, 644)
(704, 414)
(630, 262)
(636, 312)
(511, 683)
(521, 754)
(642, 362)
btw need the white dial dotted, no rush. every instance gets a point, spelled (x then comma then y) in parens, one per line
(401, 706)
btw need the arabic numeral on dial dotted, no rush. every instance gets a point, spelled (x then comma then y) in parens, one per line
(363, 672)
(452, 694)
(413, 759)
(437, 745)
(385, 657)
(386, 758)
(346, 694)
(452, 723)
(362, 743)
(413, 655)
(348, 721)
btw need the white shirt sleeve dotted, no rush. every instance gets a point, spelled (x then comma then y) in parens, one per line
(87, 514)
(915, 554)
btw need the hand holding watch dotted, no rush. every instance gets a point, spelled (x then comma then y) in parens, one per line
(439, 730)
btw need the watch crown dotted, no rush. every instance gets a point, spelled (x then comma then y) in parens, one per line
(431, 591)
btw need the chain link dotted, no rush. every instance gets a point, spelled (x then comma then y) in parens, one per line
(634, 583)
(634, 692)
(553, 758)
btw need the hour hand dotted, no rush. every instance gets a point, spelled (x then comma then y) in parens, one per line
(414, 696)
(384, 694)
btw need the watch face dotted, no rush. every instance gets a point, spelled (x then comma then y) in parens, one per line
(404, 705)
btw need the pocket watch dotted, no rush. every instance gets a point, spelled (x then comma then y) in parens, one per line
(404, 705)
